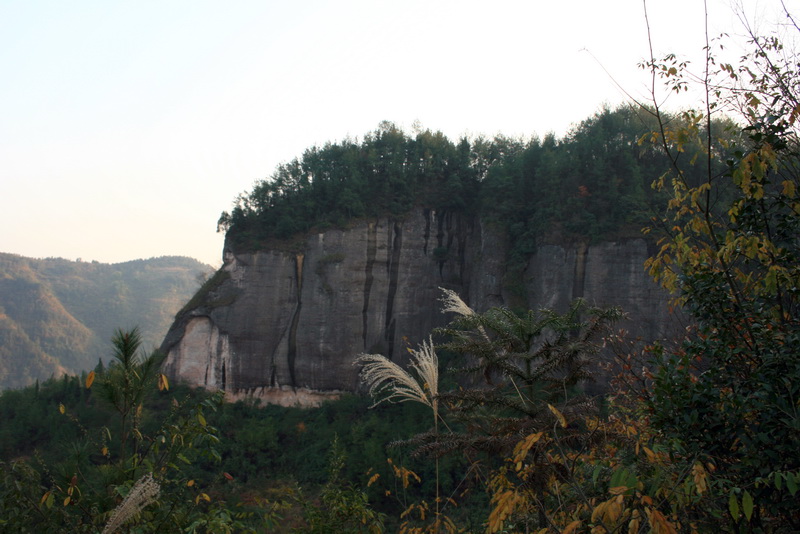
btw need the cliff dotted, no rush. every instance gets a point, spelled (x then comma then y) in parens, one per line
(284, 327)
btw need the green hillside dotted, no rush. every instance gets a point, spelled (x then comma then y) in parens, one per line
(57, 315)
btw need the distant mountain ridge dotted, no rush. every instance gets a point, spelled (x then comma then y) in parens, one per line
(57, 315)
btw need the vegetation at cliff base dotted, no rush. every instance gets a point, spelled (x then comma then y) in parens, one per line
(267, 467)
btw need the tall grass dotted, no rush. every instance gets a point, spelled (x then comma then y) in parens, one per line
(142, 494)
(389, 382)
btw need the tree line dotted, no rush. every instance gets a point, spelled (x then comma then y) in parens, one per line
(595, 182)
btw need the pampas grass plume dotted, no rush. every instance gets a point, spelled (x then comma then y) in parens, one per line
(143, 493)
(384, 377)
(451, 302)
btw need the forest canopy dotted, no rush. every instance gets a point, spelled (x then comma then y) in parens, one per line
(595, 181)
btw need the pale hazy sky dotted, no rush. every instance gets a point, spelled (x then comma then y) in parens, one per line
(127, 127)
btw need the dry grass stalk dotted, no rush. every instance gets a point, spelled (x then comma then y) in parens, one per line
(143, 493)
(451, 302)
(383, 376)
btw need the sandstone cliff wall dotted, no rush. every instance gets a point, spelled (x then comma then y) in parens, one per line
(286, 327)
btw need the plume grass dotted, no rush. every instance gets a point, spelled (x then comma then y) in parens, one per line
(389, 382)
(451, 302)
(143, 493)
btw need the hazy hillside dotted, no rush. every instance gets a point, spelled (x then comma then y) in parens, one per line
(57, 315)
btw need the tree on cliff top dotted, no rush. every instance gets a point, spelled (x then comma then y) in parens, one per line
(594, 182)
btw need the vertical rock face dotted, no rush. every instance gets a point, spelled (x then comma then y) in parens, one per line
(286, 327)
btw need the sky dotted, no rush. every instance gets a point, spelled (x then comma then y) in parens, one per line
(126, 128)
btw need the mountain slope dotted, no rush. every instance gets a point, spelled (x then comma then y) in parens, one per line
(57, 315)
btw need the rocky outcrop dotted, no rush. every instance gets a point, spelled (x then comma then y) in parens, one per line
(285, 327)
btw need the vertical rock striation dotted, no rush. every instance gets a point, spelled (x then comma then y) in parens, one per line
(285, 327)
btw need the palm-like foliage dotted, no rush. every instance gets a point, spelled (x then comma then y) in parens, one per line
(540, 355)
(526, 364)
(127, 380)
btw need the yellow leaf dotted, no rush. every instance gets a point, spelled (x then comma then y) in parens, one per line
(374, 478)
(699, 476)
(659, 523)
(44, 497)
(788, 188)
(104, 451)
(558, 415)
(61, 408)
(89, 379)
(599, 511)
(572, 527)
(190, 483)
(163, 383)
(67, 500)
(504, 505)
(522, 448)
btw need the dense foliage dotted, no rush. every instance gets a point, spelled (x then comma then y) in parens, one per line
(282, 462)
(386, 173)
(594, 182)
(730, 395)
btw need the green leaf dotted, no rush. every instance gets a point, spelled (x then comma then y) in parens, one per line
(778, 481)
(747, 505)
(791, 483)
(596, 473)
(733, 506)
